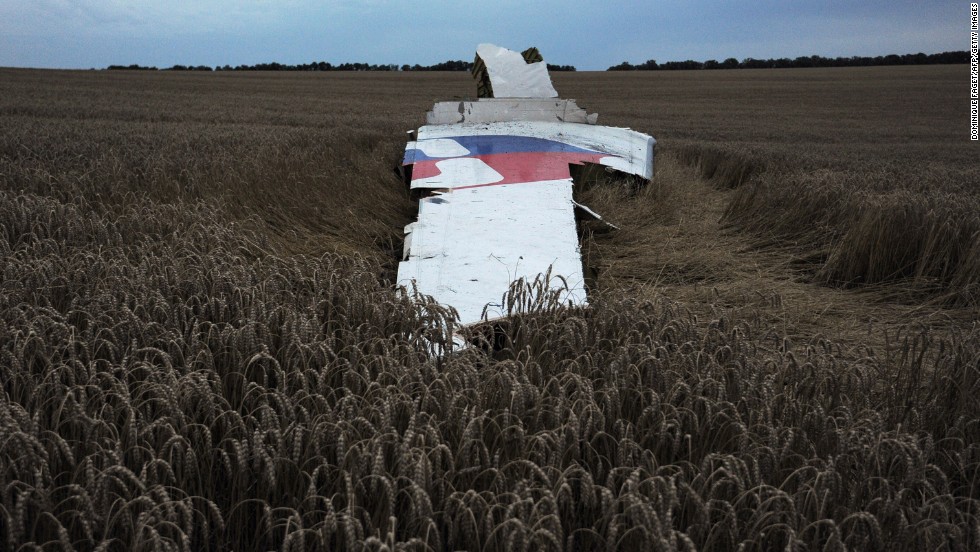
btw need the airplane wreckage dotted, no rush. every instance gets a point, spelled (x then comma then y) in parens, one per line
(494, 178)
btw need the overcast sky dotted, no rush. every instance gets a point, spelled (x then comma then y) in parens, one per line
(588, 34)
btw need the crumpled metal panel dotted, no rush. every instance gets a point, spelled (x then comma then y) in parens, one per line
(511, 76)
(470, 244)
(497, 173)
(498, 110)
(531, 148)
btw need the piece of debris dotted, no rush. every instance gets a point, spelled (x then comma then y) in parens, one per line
(497, 192)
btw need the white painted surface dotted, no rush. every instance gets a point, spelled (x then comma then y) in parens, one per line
(469, 245)
(463, 171)
(512, 77)
(439, 147)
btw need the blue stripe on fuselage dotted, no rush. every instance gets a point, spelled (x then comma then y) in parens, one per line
(491, 144)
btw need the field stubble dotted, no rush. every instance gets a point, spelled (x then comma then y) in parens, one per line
(865, 176)
(198, 351)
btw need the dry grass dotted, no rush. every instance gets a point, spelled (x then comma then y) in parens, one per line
(198, 348)
(866, 172)
(676, 243)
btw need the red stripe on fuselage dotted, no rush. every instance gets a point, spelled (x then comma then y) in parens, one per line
(516, 168)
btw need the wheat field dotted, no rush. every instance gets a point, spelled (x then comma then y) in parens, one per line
(201, 347)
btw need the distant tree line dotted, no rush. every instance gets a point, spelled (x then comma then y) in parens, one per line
(313, 66)
(961, 56)
(133, 67)
(452, 65)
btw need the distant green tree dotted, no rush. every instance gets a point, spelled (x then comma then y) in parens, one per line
(625, 66)
(681, 65)
(133, 67)
(752, 63)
